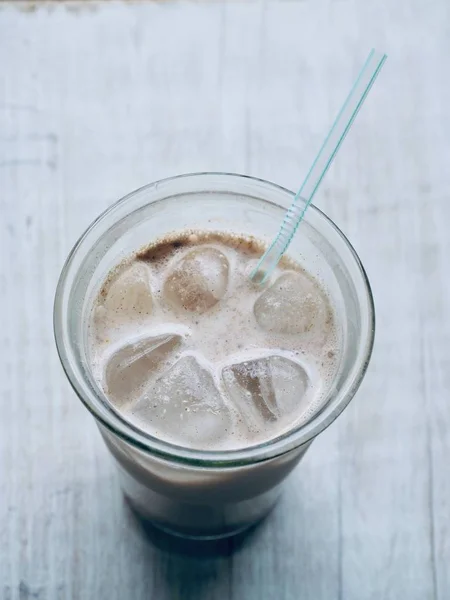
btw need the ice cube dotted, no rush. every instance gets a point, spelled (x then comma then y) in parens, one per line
(130, 368)
(185, 405)
(293, 304)
(198, 281)
(130, 293)
(266, 389)
(128, 298)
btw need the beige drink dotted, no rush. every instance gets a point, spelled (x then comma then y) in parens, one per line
(208, 390)
(189, 350)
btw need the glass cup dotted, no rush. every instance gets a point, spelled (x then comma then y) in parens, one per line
(196, 493)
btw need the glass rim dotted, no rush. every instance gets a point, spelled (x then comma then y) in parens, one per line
(212, 458)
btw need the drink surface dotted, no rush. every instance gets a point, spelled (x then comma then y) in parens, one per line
(188, 349)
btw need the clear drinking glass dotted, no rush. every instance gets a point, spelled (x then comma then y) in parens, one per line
(196, 493)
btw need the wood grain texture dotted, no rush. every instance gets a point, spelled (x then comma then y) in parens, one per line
(99, 101)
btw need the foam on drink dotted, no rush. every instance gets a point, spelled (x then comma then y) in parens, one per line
(191, 351)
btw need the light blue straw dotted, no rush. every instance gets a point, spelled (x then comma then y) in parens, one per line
(323, 160)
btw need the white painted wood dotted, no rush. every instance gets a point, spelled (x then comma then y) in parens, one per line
(98, 99)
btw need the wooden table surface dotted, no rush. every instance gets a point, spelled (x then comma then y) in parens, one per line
(99, 99)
